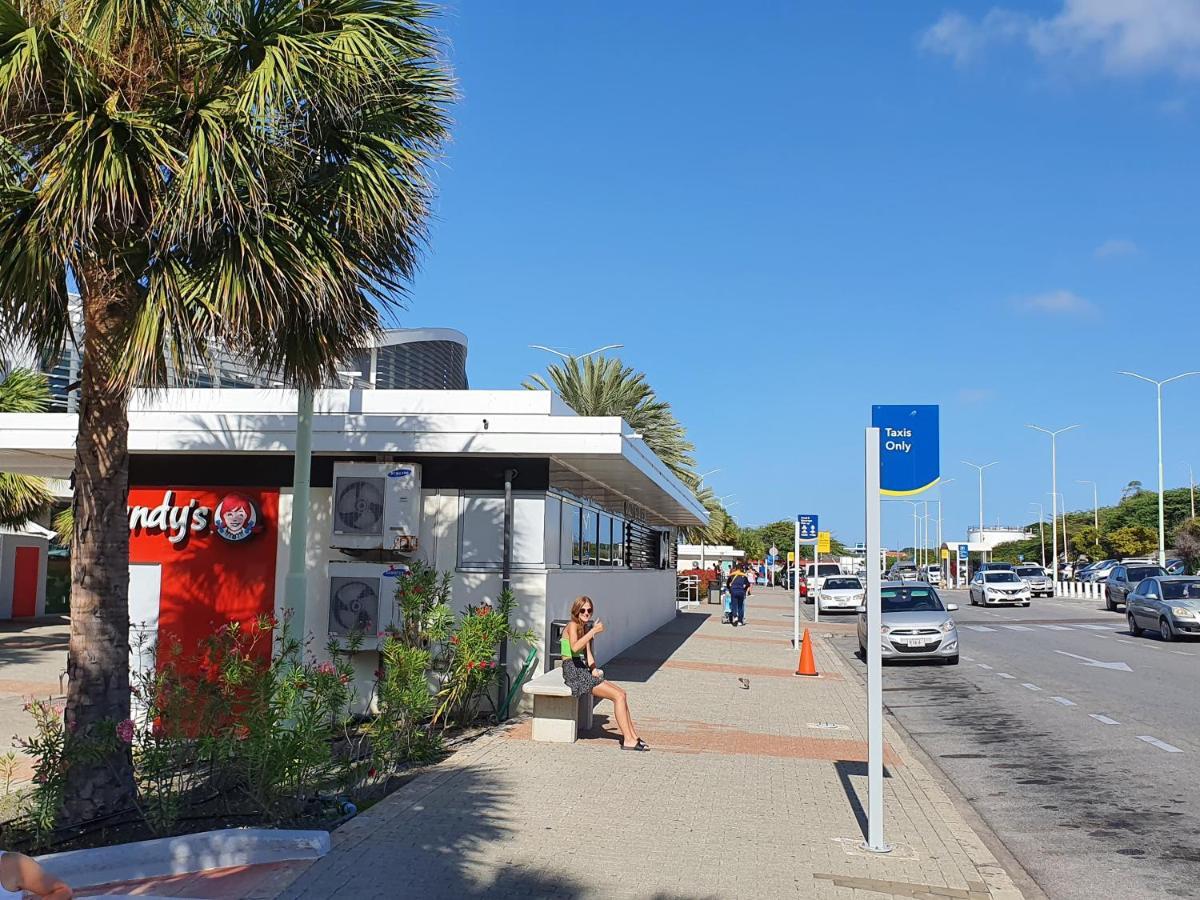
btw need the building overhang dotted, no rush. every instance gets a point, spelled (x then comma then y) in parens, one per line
(591, 454)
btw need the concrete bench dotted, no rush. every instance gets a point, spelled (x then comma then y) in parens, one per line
(557, 716)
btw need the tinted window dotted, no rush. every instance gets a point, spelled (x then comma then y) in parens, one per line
(1181, 590)
(1137, 573)
(1030, 571)
(1000, 577)
(910, 600)
(831, 569)
(843, 584)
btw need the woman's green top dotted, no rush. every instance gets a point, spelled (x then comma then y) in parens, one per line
(567, 652)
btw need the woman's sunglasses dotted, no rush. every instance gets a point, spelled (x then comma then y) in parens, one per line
(587, 610)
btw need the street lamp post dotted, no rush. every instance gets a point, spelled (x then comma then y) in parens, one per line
(980, 469)
(913, 504)
(1095, 503)
(1054, 499)
(1162, 541)
(1041, 531)
(1192, 488)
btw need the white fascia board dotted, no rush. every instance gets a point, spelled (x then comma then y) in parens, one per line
(282, 401)
(636, 451)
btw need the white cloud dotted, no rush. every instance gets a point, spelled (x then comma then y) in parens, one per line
(1122, 37)
(1057, 303)
(1114, 248)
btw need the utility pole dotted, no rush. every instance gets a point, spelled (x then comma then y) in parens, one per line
(1054, 494)
(980, 470)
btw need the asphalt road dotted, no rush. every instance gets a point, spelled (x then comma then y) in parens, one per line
(1077, 743)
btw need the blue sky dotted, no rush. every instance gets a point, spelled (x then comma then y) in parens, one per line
(787, 212)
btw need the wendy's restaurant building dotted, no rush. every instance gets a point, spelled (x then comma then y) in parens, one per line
(396, 475)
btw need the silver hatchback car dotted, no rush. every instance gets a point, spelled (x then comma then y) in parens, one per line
(916, 624)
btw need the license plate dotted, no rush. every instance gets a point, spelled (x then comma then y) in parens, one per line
(911, 641)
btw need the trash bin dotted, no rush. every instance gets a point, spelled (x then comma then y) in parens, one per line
(714, 592)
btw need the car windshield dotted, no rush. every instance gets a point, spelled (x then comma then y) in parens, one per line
(843, 584)
(1031, 571)
(1140, 572)
(1181, 590)
(1000, 577)
(834, 569)
(897, 600)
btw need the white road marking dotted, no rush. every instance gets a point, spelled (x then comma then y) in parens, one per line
(1032, 687)
(1063, 700)
(1183, 653)
(1055, 627)
(1017, 627)
(1094, 627)
(1104, 720)
(1088, 661)
(984, 666)
(1161, 745)
(979, 628)
(1005, 675)
(969, 658)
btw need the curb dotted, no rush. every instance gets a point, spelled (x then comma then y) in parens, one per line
(185, 854)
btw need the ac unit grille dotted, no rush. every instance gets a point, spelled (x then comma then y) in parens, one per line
(358, 505)
(353, 605)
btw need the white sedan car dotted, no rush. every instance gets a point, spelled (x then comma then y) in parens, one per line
(992, 587)
(840, 592)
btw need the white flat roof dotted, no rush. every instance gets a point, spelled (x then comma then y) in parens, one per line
(600, 451)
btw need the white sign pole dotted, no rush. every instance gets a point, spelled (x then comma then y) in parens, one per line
(812, 587)
(875, 841)
(796, 588)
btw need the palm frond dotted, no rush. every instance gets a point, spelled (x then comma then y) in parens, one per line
(22, 496)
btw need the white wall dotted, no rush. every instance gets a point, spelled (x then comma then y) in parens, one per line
(632, 603)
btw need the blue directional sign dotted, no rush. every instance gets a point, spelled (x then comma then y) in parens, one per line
(909, 456)
(962, 551)
(808, 527)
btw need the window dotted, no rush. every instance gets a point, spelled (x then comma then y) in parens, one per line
(591, 537)
(605, 540)
(618, 542)
(573, 514)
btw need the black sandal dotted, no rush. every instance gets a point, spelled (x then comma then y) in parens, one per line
(641, 746)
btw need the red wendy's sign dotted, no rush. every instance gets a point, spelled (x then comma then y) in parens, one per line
(217, 550)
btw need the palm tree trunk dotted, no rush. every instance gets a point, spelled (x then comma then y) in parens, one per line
(98, 656)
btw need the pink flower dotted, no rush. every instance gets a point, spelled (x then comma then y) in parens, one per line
(125, 731)
(326, 668)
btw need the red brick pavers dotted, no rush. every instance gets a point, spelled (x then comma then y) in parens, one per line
(750, 791)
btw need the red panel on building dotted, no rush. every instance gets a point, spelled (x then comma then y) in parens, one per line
(217, 548)
(26, 563)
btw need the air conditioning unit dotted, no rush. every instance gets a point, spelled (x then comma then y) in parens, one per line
(362, 599)
(376, 506)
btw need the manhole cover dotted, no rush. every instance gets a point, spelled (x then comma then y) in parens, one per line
(832, 726)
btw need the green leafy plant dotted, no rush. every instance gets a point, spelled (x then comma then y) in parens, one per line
(423, 601)
(399, 731)
(472, 667)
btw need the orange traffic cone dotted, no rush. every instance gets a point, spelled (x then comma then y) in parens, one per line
(807, 665)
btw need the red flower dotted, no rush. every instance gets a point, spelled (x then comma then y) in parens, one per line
(484, 610)
(370, 773)
(454, 640)
(379, 674)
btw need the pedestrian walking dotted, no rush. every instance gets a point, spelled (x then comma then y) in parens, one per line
(739, 590)
(583, 677)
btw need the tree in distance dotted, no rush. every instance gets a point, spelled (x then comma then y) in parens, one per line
(254, 175)
(22, 497)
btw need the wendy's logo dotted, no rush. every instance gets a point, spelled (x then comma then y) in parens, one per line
(236, 518)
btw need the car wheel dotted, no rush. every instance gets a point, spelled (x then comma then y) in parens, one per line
(1108, 601)
(1134, 628)
(862, 652)
(951, 660)
(1026, 603)
(1165, 629)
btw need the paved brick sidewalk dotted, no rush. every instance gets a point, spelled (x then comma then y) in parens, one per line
(747, 793)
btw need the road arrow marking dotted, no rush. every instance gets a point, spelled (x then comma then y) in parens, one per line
(1088, 661)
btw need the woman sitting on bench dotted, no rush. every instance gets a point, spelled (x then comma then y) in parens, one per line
(581, 675)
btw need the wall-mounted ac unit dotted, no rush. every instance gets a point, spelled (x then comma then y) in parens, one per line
(362, 599)
(376, 506)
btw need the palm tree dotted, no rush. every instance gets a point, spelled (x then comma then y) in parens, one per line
(604, 386)
(23, 496)
(247, 172)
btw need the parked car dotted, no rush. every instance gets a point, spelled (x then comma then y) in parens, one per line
(990, 588)
(1040, 584)
(844, 592)
(1176, 567)
(1170, 604)
(1124, 578)
(812, 582)
(1098, 571)
(932, 574)
(903, 572)
(915, 624)
(996, 567)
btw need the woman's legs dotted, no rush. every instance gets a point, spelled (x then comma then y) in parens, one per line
(606, 690)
